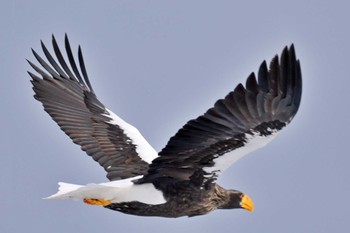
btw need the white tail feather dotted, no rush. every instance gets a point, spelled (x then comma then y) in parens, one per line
(63, 191)
(115, 191)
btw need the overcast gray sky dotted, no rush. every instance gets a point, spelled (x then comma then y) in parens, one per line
(158, 64)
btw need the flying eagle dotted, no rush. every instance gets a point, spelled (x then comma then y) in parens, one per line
(180, 180)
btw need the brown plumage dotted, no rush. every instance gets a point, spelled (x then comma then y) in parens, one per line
(184, 199)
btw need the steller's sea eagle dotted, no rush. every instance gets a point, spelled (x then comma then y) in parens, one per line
(180, 179)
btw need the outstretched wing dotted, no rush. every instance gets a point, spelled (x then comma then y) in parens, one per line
(68, 97)
(246, 119)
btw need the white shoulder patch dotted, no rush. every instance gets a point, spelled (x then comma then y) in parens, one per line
(252, 143)
(145, 151)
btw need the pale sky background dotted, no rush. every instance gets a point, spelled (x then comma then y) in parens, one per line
(158, 64)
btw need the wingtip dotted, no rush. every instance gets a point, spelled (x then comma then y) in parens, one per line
(285, 50)
(30, 73)
(36, 55)
(263, 68)
(66, 40)
(53, 39)
(30, 63)
(292, 51)
(263, 64)
(80, 52)
(251, 83)
(43, 46)
(288, 50)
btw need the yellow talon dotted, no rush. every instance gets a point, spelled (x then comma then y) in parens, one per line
(93, 201)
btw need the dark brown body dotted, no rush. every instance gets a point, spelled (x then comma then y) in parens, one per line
(187, 201)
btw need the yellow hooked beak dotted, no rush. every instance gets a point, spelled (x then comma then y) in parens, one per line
(247, 203)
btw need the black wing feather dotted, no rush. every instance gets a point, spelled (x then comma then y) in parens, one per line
(69, 99)
(264, 107)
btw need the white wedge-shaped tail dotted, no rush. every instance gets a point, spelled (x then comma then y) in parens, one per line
(115, 192)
